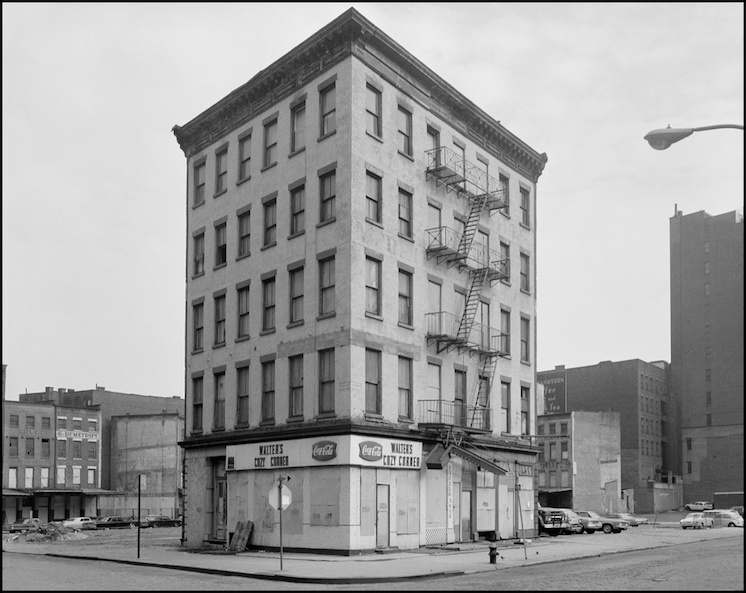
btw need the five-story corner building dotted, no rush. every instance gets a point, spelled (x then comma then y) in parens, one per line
(361, 306)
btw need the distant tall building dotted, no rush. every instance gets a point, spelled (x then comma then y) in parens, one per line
(707, 353)
(361, 304)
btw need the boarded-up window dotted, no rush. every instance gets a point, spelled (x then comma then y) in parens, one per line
(325, 489)
(407, 502)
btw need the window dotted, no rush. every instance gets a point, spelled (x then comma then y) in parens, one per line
(525, 400)
(326, 381)
(328, 104)
(433, 381)
(688, 467)
(197, 389)
(327, 199)
(76, 475)
(46, 449)
(707, 289)
(77, 424)
(218, 418)
(540, 429)
(270, 144)
(61, 475)
(433, 140)
(708, 419)
(244, 157)
(525, 340)
(405, 388)
(504, 407)
(459, 396)
(296, 295)
(525, 278)
(199, 254)
(244, 234)
(298, 127)
(372, 381)
(30, 422)
(707, 247)
(553, 451)
(268, 296)
(198, 312)
(688, 444)
(242, 396)
(707, 267)
(91, 476)
(243, 311)
(564, 454)
(14, 421)
(295, 380)
(373, 197)
(270, 223)
(504, 187)
(61, 422)
(221, 245)
(221, 171)
(373, 111)
(459, 162)
(220, 320)
(372, 286)
(297, 211)
(92, 449)
(44, 477)
(505, 332)
(525, 208)
(13, 477)
(505, 256)
(46, 423)
(199, 184)
(563, 427)
(13, 447)
(405, 131)
(77, 449)
(28, 481)
(552, 428)
(268, 391)
(405, 213)
(405, 297)
(327, 298)
(61, 449)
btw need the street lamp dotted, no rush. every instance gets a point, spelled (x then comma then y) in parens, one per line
(662, 139)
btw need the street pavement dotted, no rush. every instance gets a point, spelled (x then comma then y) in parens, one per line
(393, 566)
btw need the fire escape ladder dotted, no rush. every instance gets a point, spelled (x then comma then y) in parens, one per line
(470, 228)
(479, 407)
(478, 278)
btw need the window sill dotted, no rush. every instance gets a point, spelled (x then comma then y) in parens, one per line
(242, 339)
(243, 180)
(373, 416)
(373, 316)
(526, 362)
(295, 419)
(406, 238)
(294, 235)
(297, 151)
(524, 225)
(325, 136)
(241, 426)
(220, 193)
(198, 204)
(243, 256)
(266, 167)
(196, 432)
(270, 422)
(197, 275)
(268, 246)
(404, 154)
(266, 332)
(218, 429)
(295, 324)
(374, 136)
(326, 222)
(198, 351)
(218, 266)
(218, 345)
(326, 316)
(524, 291)
(374, 222)
(405, 420)
(505, 212)
(405, 325)
(325, 415)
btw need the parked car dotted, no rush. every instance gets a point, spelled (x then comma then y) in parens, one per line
(629, 518)
(116, 522)
(698, 506)
(696, 521)
(590, 524)
(738, 509)
(574, 524)
(552, 521)
(80, 523)
(608, 524)
(159, 521)
(26, 525)
(724, 518)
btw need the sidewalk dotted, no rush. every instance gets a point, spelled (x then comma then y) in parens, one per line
(425, 563)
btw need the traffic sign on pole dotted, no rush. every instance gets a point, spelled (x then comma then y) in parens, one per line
(280, 497)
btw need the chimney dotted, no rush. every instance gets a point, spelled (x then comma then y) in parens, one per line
(48, 393)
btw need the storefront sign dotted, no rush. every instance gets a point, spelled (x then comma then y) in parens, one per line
(77, 434)
(395, 454)
(555, 393)
(324, 450)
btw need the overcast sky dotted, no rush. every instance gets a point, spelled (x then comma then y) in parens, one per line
(94, 181)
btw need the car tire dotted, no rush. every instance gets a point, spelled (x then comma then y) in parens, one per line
(590, 531)
(607, 529)
(731, 524)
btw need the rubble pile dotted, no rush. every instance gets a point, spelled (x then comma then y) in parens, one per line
(48, 532)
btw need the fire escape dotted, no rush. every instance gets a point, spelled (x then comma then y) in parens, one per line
(453, 248)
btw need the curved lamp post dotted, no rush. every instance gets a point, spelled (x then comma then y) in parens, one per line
(662, 139)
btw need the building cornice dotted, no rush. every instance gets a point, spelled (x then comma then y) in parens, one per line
(352, 34)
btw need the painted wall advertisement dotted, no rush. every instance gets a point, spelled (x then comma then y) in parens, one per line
(555, 394)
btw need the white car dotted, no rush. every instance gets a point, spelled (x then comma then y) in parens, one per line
(698, 506)
(724, 518)
(80, 523)
(696, 521)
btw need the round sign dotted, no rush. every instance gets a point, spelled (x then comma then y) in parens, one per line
(275, 496)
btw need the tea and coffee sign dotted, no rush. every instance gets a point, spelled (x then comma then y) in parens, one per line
(347, 450)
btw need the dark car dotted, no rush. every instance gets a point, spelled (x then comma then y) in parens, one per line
(116, 522)
(26, 525)
(608, 524)
(159, 521)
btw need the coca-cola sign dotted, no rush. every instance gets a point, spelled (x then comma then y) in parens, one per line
(324, 450)
(371, 451)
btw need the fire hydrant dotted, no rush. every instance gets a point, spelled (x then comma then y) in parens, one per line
(493, 553)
